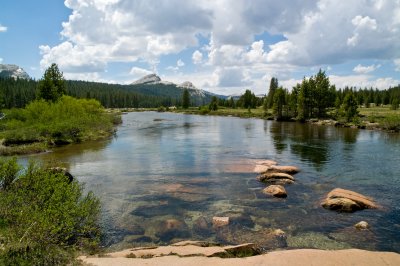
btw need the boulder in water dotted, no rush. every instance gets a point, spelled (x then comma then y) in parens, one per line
(347, 201)
(276, 191)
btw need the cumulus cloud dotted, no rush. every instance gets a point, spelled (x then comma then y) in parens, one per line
(335, 32)
(3, 28)
(360, 69)
(363, 81)
(1, 60)
(314, 33)
(138, 72)
(180, 63)
(197, 57)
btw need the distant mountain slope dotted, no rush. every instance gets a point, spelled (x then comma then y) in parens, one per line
(154, 86)
(12, 71)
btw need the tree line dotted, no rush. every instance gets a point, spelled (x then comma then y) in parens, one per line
(314, 97)
(17, 93)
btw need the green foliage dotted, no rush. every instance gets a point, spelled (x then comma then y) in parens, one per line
(279, 102)
(273, 86)
(248, 100)
(52, 86)
(213, 106)
(65, 121)
(391, 122)
(185, 99)
(8, 172)
(395, 104)
(349, 107)
(46, 217)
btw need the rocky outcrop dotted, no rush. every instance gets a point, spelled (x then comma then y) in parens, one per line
(285, 169)
(194, 255)
(276, 191)
(276, 178)
(13, 71)
(148, 79)
(270, 172)
(347, 201)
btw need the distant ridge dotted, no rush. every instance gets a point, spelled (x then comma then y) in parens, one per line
(12, 71)
(153, 85)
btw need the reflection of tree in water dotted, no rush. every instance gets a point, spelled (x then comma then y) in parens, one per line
(279, 136)
(306, 141)
(349, 135)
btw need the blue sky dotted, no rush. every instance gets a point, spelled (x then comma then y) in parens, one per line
(220, 47)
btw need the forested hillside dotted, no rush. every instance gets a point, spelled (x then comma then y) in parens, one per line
(18, 93)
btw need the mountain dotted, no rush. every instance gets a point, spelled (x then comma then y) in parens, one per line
(152, 85)
(12, 71)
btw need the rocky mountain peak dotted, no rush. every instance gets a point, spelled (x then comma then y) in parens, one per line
(187, 85)
(12, 71)
(148, 79)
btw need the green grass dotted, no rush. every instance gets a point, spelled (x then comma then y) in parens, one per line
(385, 117)
(222, 111)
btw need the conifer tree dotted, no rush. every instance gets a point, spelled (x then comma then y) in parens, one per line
(52, 86)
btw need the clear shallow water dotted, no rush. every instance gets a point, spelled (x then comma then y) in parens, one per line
(164, 176)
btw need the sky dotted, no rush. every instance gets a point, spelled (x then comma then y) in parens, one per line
(223, 46)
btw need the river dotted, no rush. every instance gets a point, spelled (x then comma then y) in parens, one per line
(164, 176)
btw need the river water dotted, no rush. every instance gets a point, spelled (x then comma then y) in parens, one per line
(164, 176)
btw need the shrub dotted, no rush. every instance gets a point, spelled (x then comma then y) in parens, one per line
(45, 217)
(65, 121)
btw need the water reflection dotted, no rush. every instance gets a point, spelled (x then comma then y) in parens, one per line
(164, 176)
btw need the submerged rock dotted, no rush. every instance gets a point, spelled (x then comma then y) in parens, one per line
(265, 239)
(172, 228)
(315, 240)
(363, 225)
(276, 191)
(347, 201)
(201, 226)
(220, 221)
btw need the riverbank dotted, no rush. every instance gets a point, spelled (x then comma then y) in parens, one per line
(196, 253)
(42, 125)
(373, 118)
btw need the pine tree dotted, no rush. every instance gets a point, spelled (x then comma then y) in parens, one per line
(52, 86)
(185, 99)
(273, 86)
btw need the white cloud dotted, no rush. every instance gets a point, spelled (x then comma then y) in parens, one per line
(138, 72)
(360, 69)
(197, 57)
(397, 64)
(364, 22)
(231, 77)
(3, 28)
(313, 33)
(180, 63)
(363, 81)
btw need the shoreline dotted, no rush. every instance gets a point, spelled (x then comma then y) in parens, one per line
(193, 253)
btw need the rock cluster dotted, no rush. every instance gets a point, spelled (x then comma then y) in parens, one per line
(270, 172)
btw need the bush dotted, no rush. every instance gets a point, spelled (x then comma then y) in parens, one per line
(391, 123)
(65, 121)
(45, 217)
